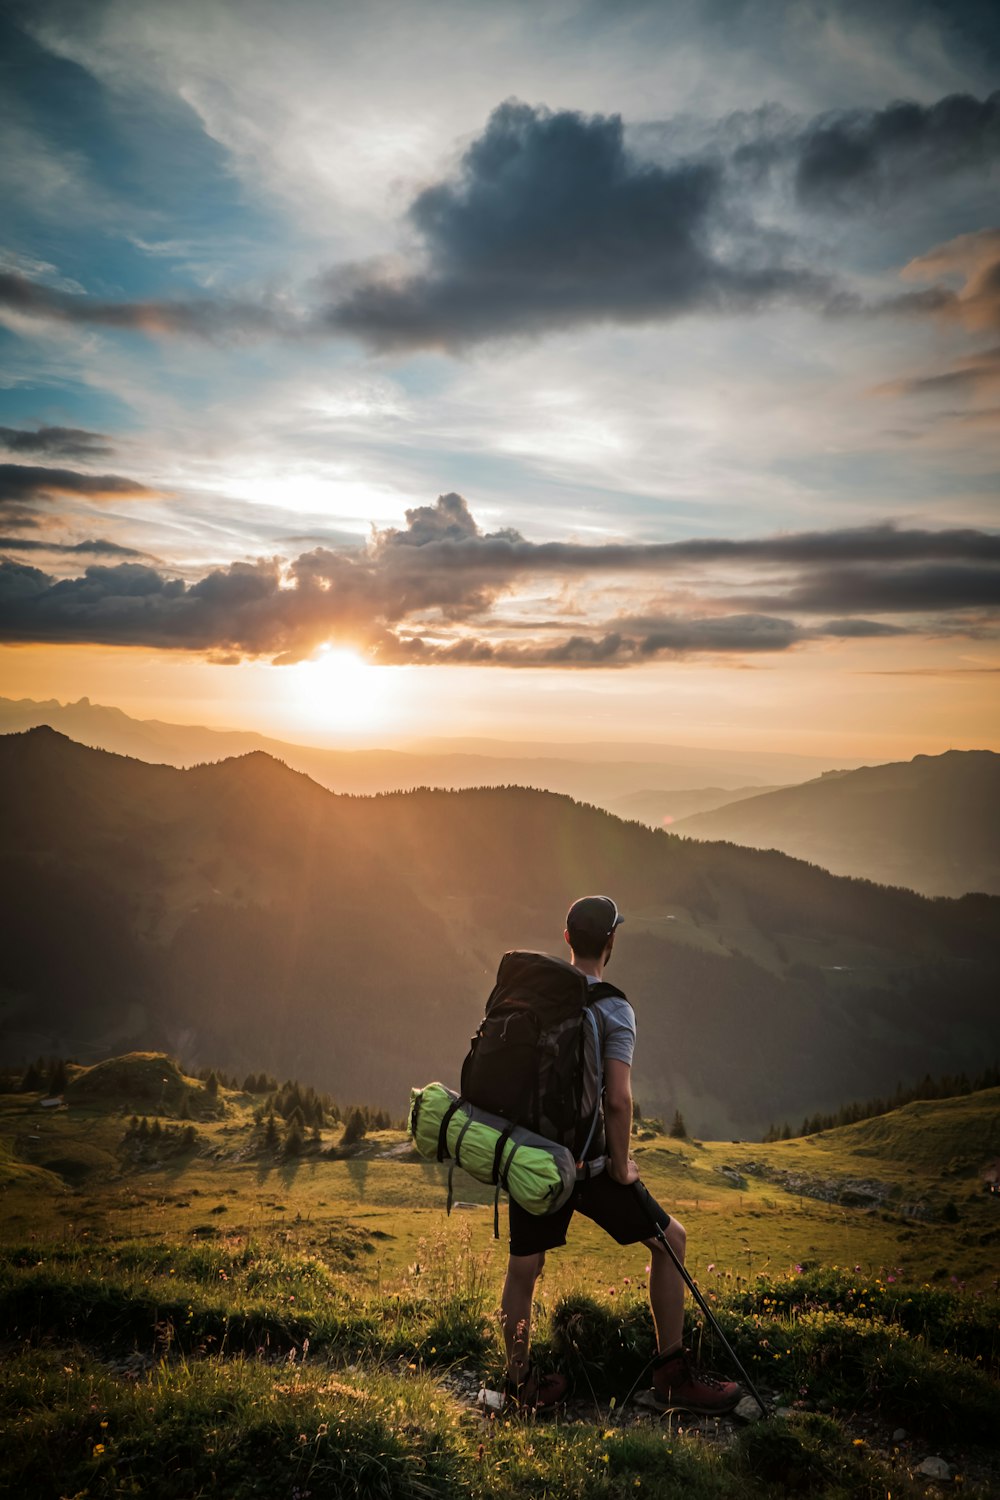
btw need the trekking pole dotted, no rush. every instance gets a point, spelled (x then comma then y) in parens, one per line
(709, 1314)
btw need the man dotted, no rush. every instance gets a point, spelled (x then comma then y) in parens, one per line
(613, 1197)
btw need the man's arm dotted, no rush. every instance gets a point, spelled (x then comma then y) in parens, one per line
(618, 1120)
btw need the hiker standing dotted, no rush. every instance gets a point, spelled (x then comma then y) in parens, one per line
(611, 1194)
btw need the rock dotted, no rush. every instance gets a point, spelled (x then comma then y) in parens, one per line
(785, 1411)
(899, 1436)
(934, 1468)
(748, 1411)
(647, 1400)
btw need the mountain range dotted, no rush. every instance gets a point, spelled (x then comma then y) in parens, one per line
(932, 823)
(238, 914)
(600, 772)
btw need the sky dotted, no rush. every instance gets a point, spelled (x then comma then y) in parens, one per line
(598, 370)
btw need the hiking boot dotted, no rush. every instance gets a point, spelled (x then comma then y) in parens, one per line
(536, 1393)
(676, 1383)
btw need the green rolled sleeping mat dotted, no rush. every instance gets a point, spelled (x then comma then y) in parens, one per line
(538, 1174)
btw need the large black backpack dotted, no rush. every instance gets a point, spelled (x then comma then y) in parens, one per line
(526, 1062)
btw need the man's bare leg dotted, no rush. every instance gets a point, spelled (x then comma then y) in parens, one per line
(666, 1289)
(515, 1311)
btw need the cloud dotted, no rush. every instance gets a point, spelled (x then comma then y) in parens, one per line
(56, 442)
(976, 374)
(850, 158)
(23, 482)
(96, 546)
(550, 222)
(213, 319)
(29, 494)
(905, 590)
(439, 589)
(975, 260)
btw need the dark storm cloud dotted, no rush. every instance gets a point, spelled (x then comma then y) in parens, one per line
(550, 222)
(212, 319)
(848, 158)
(56, 442)
(426, 592)
(23, 482)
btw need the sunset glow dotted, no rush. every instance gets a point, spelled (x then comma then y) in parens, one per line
(338, 692)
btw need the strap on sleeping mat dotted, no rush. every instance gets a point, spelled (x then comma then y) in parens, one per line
(457, 1153)
(498, 1153)
(443, 1151)
(451, 1188)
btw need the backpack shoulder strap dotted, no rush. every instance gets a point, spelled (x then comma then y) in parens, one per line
(604, 990)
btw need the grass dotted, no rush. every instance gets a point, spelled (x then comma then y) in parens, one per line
(274, 1369)
(231, 1323)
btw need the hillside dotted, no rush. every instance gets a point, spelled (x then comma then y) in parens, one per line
(932, 823)
(155, 1273)
(238, 911)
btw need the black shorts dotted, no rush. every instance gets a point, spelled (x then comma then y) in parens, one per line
(627, 1213)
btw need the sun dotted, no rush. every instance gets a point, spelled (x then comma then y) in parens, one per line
(338, 690)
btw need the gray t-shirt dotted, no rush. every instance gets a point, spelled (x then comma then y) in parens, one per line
(619, 1026)
(616, 1023)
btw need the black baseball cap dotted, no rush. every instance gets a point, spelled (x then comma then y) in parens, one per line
(594, 917)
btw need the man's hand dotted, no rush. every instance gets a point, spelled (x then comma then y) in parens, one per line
(630, 1174)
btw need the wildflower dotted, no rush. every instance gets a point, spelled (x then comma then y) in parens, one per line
(98, 1448)
(710, 1266)
(859, 1442)
(798, 1270)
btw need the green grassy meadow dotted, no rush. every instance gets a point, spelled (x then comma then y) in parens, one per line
(219, 1317)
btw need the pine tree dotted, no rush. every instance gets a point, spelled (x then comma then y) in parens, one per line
(57, 1078)
(271, 1136)
(184, 1113)
(212, 1085)
(33, 1080)
(355, 1127)
(678, 1130)
(293, 1140)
